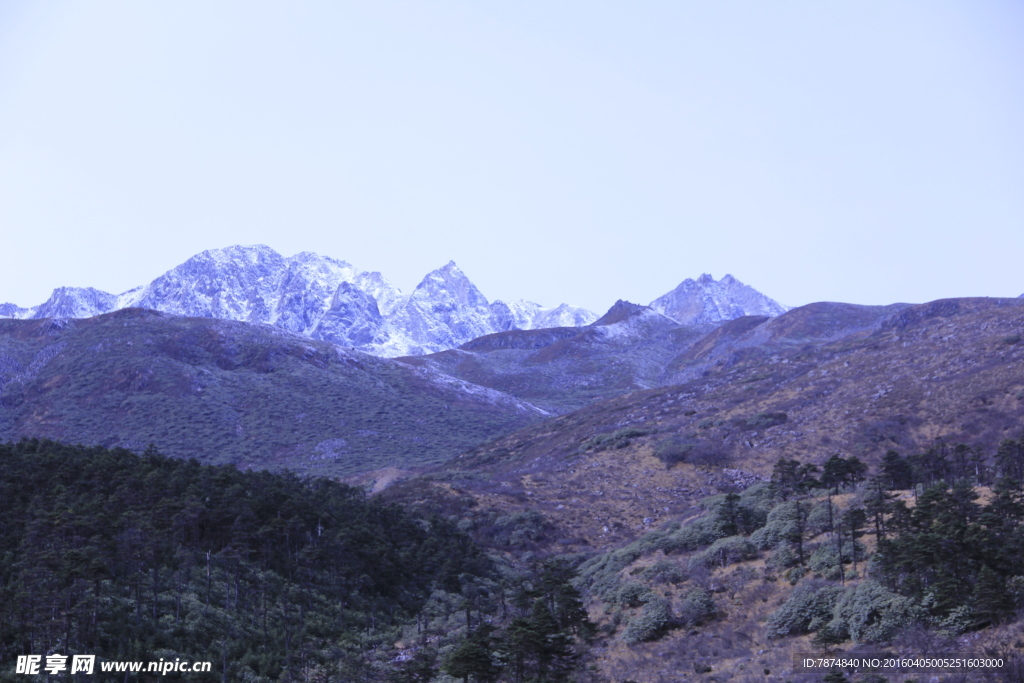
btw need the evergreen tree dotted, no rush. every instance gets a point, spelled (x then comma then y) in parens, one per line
(878, 504)
(1010, 459)
(790, 478)
(853, 526)
(897, 472)
(472, 657)
(839, 473)
(796, 530)
(990, 601)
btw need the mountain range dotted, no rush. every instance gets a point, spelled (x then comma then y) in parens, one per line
(543, 432)
(331, 300)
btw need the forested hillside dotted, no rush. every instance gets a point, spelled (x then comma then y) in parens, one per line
(268, 576)
(136, 558)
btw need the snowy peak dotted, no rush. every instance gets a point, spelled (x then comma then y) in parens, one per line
(626, 320)
(446, 310)
(563, 315)
(706, 301)
(449, 286)
(235, 283)
(621, 310)
(8, 310)
(352, 319)
(316, 296)
(76, 302)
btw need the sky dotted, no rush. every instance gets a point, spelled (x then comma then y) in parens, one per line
(580, 152)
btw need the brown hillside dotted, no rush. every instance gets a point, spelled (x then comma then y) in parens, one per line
(949, 370)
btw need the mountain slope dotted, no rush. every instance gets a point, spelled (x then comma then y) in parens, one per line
(565, 368)
(632, 483)
(225, 391)
(902, 377)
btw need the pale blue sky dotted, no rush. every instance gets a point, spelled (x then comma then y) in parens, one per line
(583, 152)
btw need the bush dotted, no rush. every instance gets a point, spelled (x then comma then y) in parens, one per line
(759, 499)
(723, 552)
(779, 526)
(697, 608)
(697, 534)
(870, 613)
(632, 594)
(665, 571)
(783, 557)
(617, 439)
(521, 529)
(818, 519)
(809, 608)
(651, 624)
(825, 558)
(673, 450)
(765, 420)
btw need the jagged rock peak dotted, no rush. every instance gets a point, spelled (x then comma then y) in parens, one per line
(451, 285)
(620, 310)
(706, 301)
(319, 297)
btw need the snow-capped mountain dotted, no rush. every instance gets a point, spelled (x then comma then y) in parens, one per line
(706, 301)
(325, 298)
(320, 297)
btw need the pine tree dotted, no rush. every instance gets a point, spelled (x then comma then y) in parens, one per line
(878, 504)
(796, 530)
(897, 472)
(472, 657)
(1010, 459)
(990, 601)
(853, 523)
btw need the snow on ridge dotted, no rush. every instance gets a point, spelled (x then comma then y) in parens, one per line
(708, 301)
(315, 296)
(329, 299)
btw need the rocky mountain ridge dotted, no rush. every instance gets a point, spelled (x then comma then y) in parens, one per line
(705, 301)
(331, 300)
(319, 297)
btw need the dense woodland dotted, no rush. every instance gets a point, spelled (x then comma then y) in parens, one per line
(269, 576)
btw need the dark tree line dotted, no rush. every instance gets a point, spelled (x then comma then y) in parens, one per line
(960, 560)
(269, 576)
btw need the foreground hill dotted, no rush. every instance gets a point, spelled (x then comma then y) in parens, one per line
(268, 576)
(229, 392)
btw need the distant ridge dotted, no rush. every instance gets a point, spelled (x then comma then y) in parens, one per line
(328, 299)
(319, 297)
